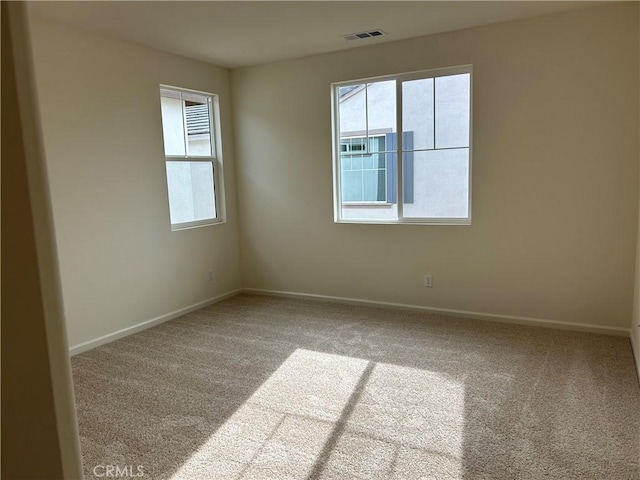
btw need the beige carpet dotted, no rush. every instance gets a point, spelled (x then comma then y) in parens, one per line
(268, 388)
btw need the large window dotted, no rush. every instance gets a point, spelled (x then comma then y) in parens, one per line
(192, 156)
(432, 109)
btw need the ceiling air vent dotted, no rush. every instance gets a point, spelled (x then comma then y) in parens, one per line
(362, 35)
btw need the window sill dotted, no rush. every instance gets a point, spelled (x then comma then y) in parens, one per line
(367, 204)
(188, 226)
(435, 222)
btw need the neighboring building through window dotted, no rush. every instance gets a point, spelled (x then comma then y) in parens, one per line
(363, 169)
(191, 149)
(432, 109)
(368, 171)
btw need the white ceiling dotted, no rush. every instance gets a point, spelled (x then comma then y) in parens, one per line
(241, 33)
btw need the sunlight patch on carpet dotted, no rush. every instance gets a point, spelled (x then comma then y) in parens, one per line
(332, 416)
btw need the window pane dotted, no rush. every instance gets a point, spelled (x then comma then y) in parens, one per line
(417, 111)
(440, 184)
(172, 124)
(376, 144)
(197, 113)
(352, 110)
(381, 107)
(373, 185)
(452, 111)
(363, 180)
(379, 160)
(352, 186)
(191, 192)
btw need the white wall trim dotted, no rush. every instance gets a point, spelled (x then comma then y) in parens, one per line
(110, 337)
(537, 322)
(580, 327)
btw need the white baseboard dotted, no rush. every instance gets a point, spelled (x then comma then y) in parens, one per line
(83, 347)
(581, 327)
(537, 322)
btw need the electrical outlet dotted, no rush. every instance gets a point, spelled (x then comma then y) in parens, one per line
(428, 281)
(210, 275)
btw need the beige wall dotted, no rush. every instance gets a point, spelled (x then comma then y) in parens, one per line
(555, 179)
(635, 323)
(120, 263)
(39, 428)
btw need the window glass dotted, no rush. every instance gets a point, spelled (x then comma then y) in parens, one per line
(353, 109)
(191, 191)
(417, 111)
(196, 111)
(440, 184)
(452, 111)
(172, 125)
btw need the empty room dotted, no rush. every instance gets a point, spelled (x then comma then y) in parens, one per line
(321, 240)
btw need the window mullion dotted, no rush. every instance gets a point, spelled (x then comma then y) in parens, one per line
(399, 126)
(184, 123)
(212, 126)
(337, 166)
(366, 113)
(180, 158)
(435, 146)
(366, 135)
(214, 157)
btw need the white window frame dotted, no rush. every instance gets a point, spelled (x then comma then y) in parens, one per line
(399, 78)
(215, 159)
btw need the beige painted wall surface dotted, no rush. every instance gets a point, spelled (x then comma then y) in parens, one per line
(635, 323)
(555, 175)
(31, 429)
(120, 263)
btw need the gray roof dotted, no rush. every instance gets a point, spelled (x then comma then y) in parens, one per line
(345, 90)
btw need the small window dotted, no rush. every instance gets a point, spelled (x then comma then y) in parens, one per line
(191, 149)
(432, 109)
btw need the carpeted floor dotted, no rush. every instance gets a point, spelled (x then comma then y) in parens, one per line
(270, 388)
